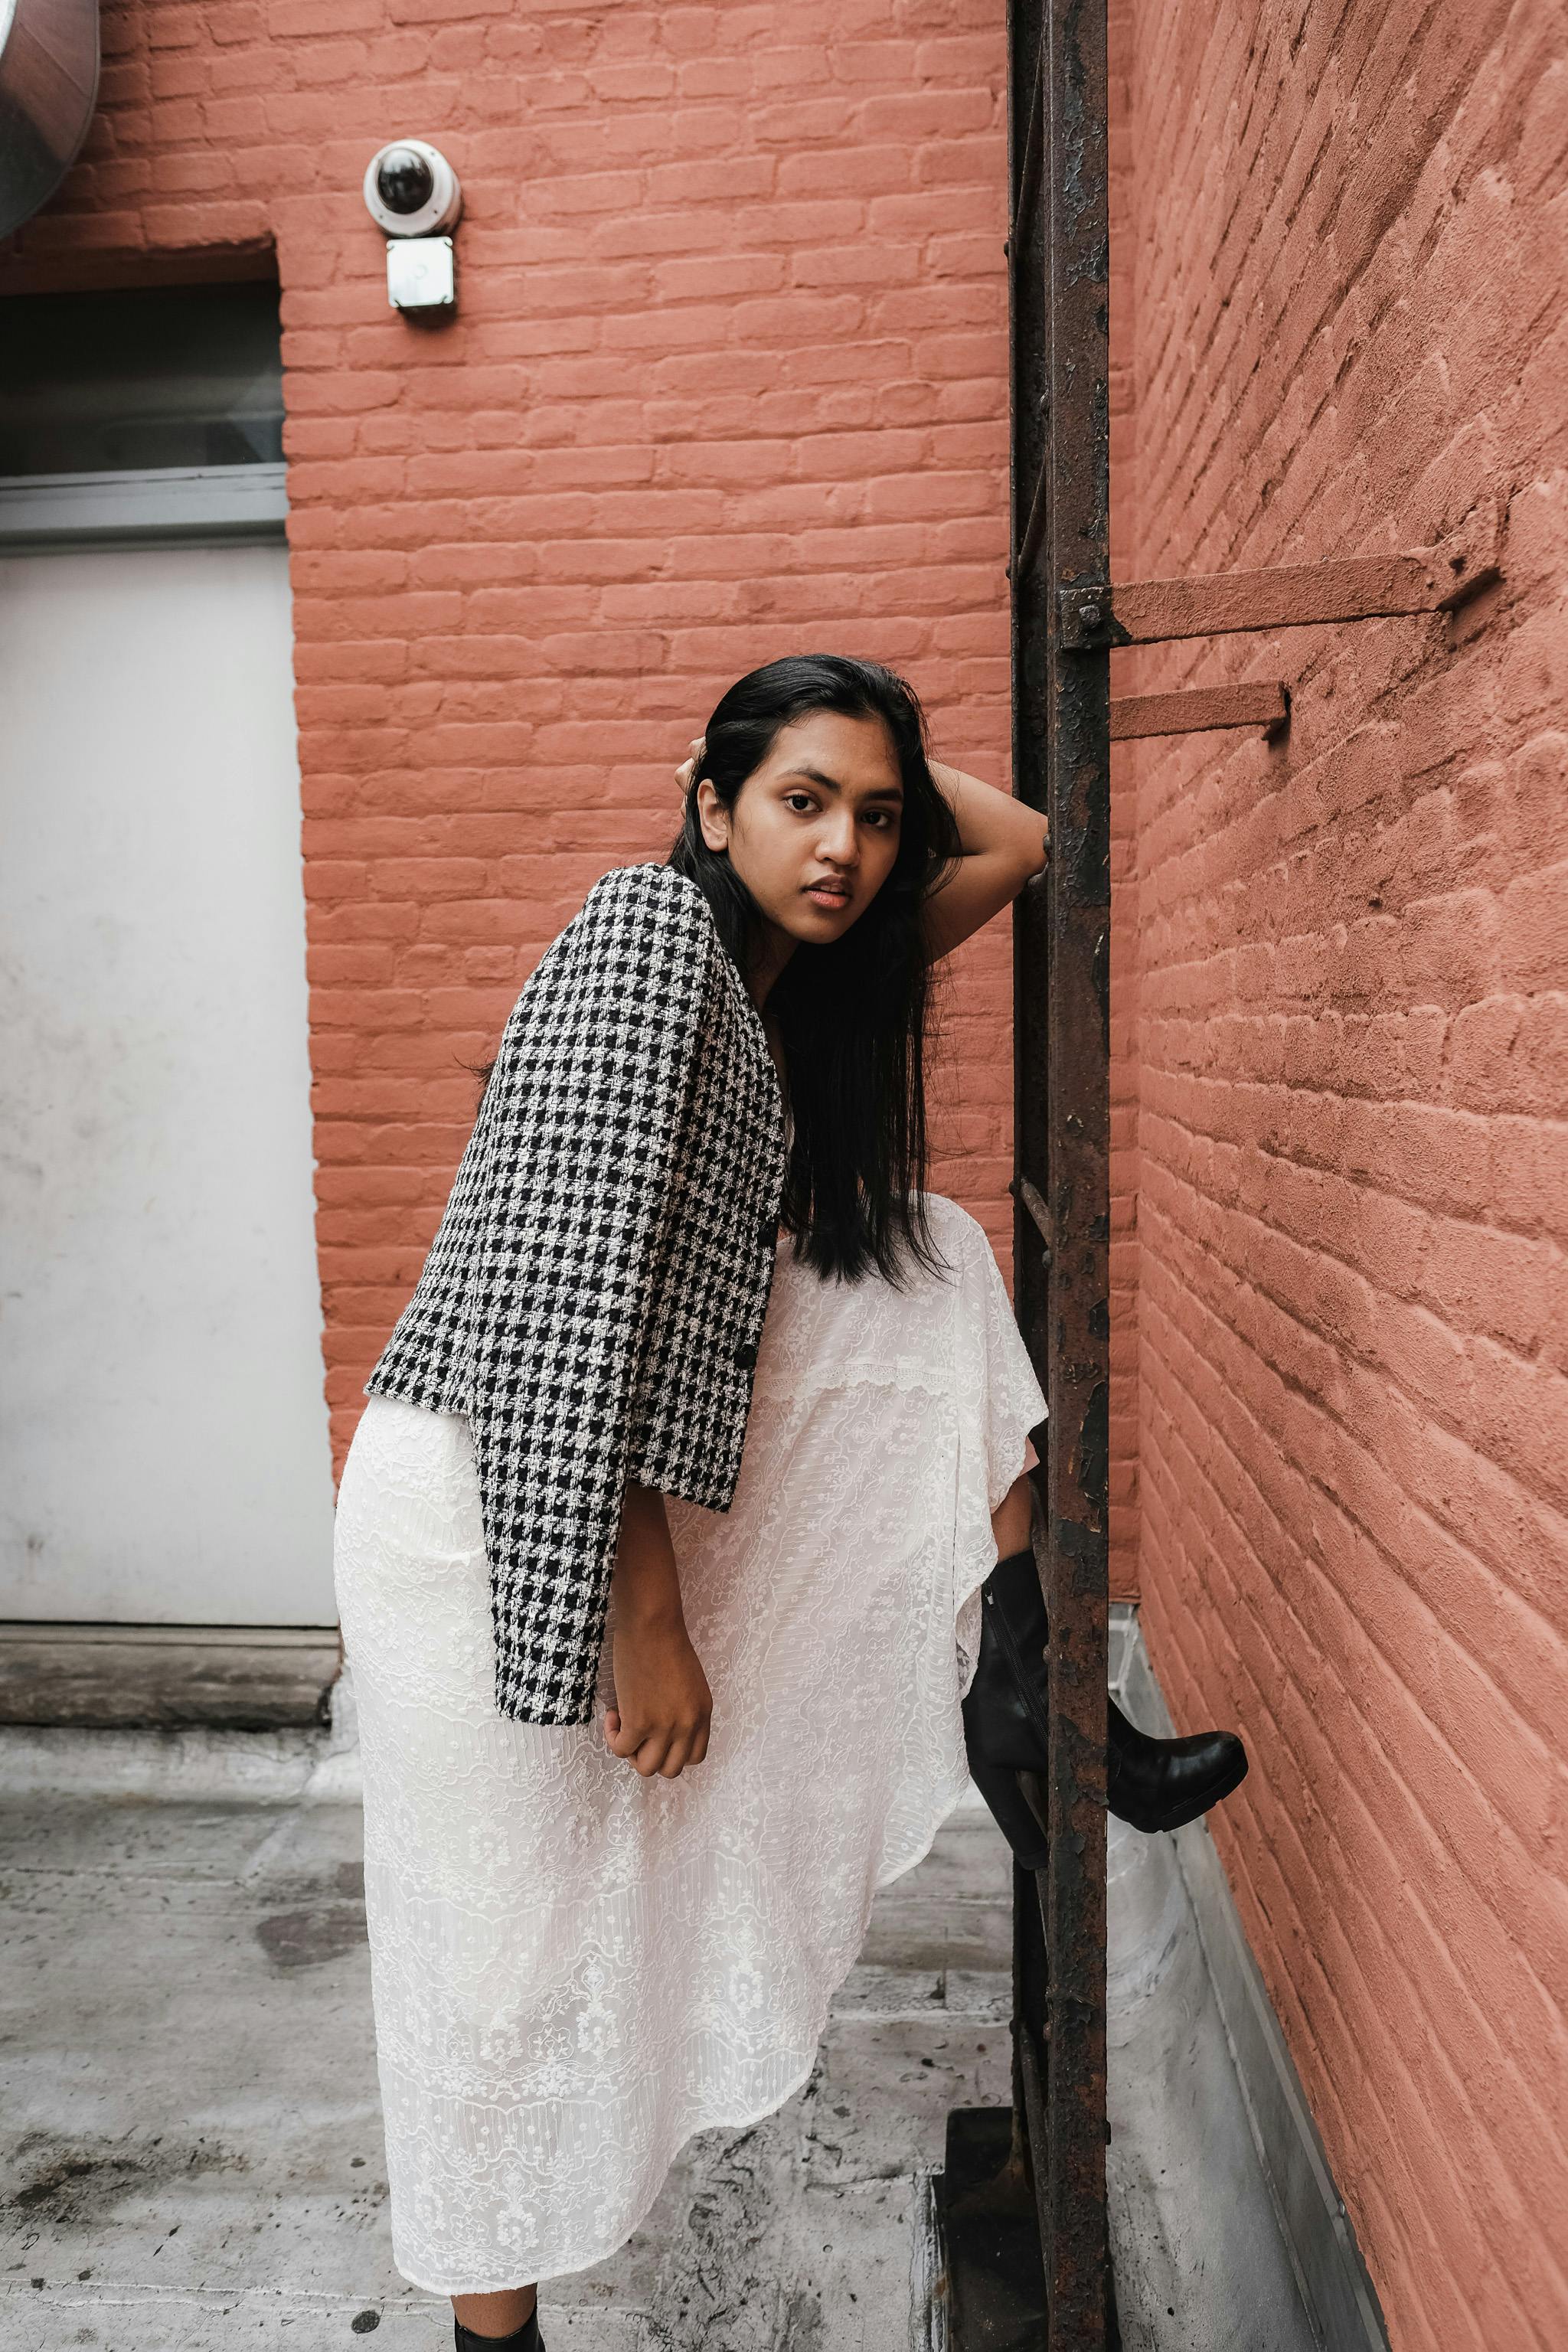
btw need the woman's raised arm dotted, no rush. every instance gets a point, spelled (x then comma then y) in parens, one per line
(1004, 844)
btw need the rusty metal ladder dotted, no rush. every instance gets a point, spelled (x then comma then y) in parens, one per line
(1023, 2202)
(1059, 273)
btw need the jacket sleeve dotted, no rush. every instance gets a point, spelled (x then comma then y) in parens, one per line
(594, 1078)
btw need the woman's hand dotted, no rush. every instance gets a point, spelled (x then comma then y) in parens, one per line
(663, 1704)
(687, 768)
(660, 1722)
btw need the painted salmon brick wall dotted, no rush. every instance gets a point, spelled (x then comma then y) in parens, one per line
(727, 380)
(1348, 325)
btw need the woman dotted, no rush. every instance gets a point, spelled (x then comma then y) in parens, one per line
(661, 1539)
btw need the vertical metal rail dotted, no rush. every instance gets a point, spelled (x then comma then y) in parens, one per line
(1059, 271)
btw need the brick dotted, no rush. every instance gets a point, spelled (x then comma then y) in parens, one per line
(1534, 945)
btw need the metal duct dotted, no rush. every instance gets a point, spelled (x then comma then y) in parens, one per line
(48, 83)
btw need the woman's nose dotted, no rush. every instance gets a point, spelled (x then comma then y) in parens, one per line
(838, 840)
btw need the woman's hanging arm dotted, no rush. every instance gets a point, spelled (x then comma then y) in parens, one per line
(663, 1704)
(1003, 845)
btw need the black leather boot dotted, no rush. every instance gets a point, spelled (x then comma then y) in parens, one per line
(526, 2338)
(1151, 1784)
(1005, 1718)
(1158, 1784)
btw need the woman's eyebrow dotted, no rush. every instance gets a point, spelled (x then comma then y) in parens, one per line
(832, 784)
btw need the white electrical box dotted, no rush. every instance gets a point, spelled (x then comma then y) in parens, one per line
(421, 274)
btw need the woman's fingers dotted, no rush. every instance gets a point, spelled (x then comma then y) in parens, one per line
(674, 1751)
(621, 1737)
(664, 1750)
(643, 1749)
(688, 1745)
(664, 1757)
(684, 773)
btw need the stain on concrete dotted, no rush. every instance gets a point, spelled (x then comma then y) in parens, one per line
(802, 2320)
(76, 2184)
(304, 1940)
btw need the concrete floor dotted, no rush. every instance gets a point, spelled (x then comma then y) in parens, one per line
(190, 2134)
(191, 2146)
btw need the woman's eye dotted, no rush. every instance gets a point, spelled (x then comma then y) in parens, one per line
(883, 819)
(801, 803)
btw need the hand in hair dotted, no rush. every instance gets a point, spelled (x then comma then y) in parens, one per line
(688, 767)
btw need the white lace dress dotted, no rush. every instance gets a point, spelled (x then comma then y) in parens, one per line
(574, 1968)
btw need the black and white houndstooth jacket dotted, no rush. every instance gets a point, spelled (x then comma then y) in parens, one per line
(595, 1294)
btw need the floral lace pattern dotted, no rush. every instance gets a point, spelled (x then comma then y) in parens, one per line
(574, 1968)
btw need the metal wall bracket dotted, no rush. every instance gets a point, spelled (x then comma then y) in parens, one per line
(1095, 614)
(1249, 702)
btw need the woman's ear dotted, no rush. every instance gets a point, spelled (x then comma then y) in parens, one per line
(712, 816)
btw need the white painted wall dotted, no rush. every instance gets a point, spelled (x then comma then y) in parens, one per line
(164, 1451)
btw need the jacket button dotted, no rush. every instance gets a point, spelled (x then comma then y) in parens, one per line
(746, 1355)
(768, 1232)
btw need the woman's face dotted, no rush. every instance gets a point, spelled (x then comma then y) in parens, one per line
(814, 831)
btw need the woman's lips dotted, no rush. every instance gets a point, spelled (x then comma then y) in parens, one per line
(827, 894)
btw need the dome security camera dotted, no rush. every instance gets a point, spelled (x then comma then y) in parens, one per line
(411, 190)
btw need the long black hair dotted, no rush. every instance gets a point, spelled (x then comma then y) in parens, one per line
(851, 1014)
